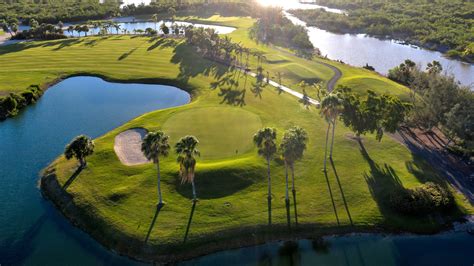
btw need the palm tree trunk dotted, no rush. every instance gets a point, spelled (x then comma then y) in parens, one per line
(332, 140)
(269, 193)
(194, 190)
(326, 148)
(160, 202)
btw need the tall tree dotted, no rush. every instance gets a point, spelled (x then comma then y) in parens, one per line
(155, 19)
(330, 109)
(186, 148)
(81, 147)
(265, 139)
(156, 144)
(292, 148)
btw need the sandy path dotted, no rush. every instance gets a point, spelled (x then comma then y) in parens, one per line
(128, 146)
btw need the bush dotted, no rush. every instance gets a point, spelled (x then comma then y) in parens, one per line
(13, 103)
(427, 198)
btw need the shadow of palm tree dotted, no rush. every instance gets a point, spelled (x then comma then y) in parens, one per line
(232, 97)
(295, 203)
(158, 209)
(127, 54)
(332, 197)
(73, 177)
(162, 43)
(342, 191)
(189, 222)
(191, 64)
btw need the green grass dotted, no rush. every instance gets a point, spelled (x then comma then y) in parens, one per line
(117, 201)
(222, 131)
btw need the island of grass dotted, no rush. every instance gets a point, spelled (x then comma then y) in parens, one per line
(117, 204)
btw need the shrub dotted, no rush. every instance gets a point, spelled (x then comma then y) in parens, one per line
(427, 198)
(13, 103)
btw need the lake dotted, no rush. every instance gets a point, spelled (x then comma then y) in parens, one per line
(31, 230)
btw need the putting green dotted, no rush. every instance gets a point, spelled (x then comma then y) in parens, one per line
(222, 131)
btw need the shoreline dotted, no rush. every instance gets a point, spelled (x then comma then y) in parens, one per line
(138, 250)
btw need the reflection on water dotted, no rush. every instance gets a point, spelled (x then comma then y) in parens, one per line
(363, 250)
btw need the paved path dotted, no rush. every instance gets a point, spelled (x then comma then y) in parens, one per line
(337, 75)
(287, 90)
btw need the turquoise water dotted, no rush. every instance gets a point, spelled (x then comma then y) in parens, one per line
(33, 232)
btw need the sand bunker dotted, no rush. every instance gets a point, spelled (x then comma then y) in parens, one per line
(128, 146)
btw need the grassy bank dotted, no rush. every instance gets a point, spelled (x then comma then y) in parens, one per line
(117, 204)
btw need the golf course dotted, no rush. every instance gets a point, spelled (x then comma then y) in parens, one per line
(117, 203)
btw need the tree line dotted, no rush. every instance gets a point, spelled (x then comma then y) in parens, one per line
(444, 25)
(273, 27)
(439, 102)
(11, 105)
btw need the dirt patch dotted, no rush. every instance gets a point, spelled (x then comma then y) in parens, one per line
(128, 146)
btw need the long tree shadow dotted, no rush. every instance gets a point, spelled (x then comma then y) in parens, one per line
(158, 209)
(295, 203)
(342, 191)
(332, 197)
(162, 43)
(382, 180)
(127, 54)
(189, 222)
(73, 177)
(191, 64)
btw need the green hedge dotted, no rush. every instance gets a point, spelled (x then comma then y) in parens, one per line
(13, 103)
(427, 198)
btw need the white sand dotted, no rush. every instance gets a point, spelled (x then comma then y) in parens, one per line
(128, 146)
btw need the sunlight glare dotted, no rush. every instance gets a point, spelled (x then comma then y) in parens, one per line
(272, 2)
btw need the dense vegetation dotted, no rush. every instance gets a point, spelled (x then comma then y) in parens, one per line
(439, 101)
(13, 103)
(53, 11)
(444, 25)
(273, 27)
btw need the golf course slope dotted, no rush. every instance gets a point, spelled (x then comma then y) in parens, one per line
(117, 203)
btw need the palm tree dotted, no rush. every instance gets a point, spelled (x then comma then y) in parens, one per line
(292, 148)
(330, 109)
(265, 141)
(81, 147)
(70, 29)
(186, 150)
(155, 144)
(155, 19)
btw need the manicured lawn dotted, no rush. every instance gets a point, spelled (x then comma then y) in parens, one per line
(222, 131)
(117, 200)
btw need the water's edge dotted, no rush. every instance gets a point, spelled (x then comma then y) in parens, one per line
(138, 250)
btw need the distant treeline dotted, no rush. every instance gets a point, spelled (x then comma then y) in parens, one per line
(444, 25)
(54, 11)
(273, 27)
(13, 103)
